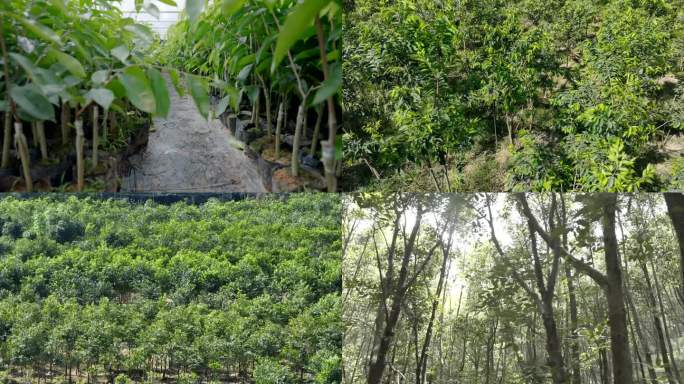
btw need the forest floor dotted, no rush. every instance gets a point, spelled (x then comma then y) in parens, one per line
(187, 153)
(671, 149)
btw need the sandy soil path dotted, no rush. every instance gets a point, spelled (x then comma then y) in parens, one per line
(186, 153)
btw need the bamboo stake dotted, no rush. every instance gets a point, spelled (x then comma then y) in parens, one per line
(80, 171)
(96, 133)
(7, 138)
(42, 141)
(269, 129)
(22, 150)
(279, 127)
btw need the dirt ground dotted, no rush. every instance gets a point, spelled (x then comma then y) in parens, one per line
(186, 153)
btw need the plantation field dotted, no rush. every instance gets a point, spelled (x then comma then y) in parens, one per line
(98, 290)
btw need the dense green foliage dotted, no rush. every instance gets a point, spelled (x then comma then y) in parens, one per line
(281, 55)
(219, 291)
(74, 68)
(514, 94)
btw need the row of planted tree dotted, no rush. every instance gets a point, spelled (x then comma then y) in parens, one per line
(540, 289)
(77, 70)
(242, 291)
(72, 70)
(284, 57)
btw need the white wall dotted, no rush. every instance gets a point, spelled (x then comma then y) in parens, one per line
(168, 15)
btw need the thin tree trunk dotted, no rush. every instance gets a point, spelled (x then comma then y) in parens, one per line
(328, 146)
(22, 149)
(650, 367)
(7, 137)
(80, 168)
(65, 117)
(317, 129)
(96, 134)
(297, 137)
(422, 364)
(675, 209)
(42, 141)
(664, 314)
(279, 127)
(657, 323)
(269, 118)
(377, 365)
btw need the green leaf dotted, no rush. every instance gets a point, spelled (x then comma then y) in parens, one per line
(295, 25)
(330, 86)
(229, 7)
(199, 91)
(71, 64)
(115, 86)
(143, 32)
(138, 89)
(102, 96)
(169, 2)
(234, 96)
(244, 72)
(152, 9)
(176, 82)
(252, 93)
(222, 105)
(161, 94)
(40, 30)
(26, 64)
(194, 8)
(34, 103)
(121, 52)
(99, 77)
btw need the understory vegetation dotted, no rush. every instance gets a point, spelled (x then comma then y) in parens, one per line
(513, 288)
(242, 291)
(514, 95)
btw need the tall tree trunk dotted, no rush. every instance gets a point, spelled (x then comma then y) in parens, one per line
(617, 316)
(576, 374)
(377, 365)
(576, 377)
(664, 313)
(675, 209)
(422, 364)
(657, 323)
(650, 367)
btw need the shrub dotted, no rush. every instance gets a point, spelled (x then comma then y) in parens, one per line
(269, 371)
